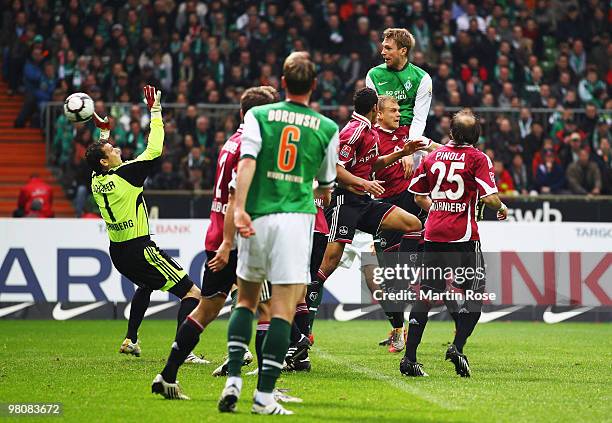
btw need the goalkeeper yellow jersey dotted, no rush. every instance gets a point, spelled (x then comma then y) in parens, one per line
(119, 191)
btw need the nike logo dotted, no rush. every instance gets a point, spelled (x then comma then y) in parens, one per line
(382, 83)
(551, 317)
(150, 311)
(486, 317)
(5, 311)
(225, 310)
(61, 314)
(343, 315)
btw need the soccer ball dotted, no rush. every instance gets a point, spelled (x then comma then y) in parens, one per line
(78, 107)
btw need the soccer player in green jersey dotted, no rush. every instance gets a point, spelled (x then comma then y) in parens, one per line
(399, 78)
(118, 190)
(285, 146)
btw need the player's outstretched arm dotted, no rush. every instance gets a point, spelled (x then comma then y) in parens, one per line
(409, 148)
(103, 125)
(493, 201)
(422, 102)
(356, 184)
(155, 142)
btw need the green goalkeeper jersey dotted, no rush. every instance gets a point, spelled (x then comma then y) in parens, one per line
(293, 146)
(119, 192)
(412, 88)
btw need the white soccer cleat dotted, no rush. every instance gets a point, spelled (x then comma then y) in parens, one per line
(281, 395)
(172, 391)
(194, 359)
(229, 397)
(129, 347)
(222, 369)
(273, 408)
(398, 343)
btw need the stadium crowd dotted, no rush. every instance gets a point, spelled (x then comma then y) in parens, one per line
(517, 55)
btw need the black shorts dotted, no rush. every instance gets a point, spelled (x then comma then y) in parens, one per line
(390, 240)
(319, 244)
(348, 212)
(219, 283)
(456, 256)
(142, 262)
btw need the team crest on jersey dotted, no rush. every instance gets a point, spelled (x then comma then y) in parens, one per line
(408, 85)
(343, 230)
(345, 152)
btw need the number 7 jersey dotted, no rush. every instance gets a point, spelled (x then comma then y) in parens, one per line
(455, 177)
(293, 145)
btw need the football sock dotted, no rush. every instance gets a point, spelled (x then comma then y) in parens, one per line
(260, 335)
(239, 332)
(140, 303)
(187, 337)
(302, 318)
(314, 295)
(453, 309)
(234, 298)
(398, 320)
(274, 350)
(467, 320)
(296, 335)
(188, 304)
(416, 326)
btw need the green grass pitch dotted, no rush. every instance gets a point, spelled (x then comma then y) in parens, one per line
(521, 372)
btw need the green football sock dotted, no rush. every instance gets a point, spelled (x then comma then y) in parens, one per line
(239, 333)
(274, 350)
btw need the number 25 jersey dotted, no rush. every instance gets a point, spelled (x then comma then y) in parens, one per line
(455, 177)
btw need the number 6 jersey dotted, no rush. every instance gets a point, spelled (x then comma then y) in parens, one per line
(455, 177)
(293, 145)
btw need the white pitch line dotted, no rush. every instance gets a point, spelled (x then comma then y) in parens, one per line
(395, 382)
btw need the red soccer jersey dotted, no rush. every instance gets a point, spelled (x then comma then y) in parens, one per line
(390, 141)
(227, 164)
(320, 225)
(358, 147)
(455, 177)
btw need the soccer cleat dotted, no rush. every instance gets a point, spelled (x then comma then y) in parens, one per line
(229, 398)
(253, 372)
(462, 366)
(387, 340)
(301, 348)
(222, 369)
(171, 391)
(412, 368)
(273, 408)
(280, 395)
(299, 365)
(397, 340)
(194, 359)
(129, 347)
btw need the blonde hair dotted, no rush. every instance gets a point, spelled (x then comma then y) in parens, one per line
(401, 36)
(384, 99)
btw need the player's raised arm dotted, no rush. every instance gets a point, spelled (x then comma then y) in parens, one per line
(103, 125)
(155, 142)
(422, 102)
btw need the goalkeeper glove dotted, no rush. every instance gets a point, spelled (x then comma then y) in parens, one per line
(103, 125)
(153, 100)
